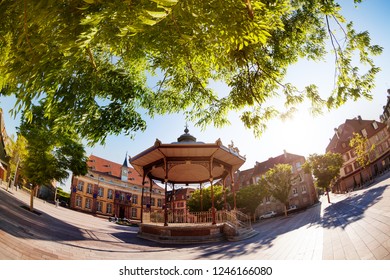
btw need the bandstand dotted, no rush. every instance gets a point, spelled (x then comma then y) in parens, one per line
(188, 162)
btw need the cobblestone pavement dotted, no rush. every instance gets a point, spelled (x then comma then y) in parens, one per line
(353, 226)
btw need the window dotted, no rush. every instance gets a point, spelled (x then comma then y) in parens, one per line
(110, 194)
(298, 165)
(303, 189)
(89, 188)
(346, 156)
(364, 132)
(87, 203)
(100, 192)
(80, 185)
(348, 169)
(134, 199)
(78, 201)
(145, 200)
(159, 202)
(134, 212)
(380, 149)
(153, 202)
(267, 199)
(375, 125)
(295, 191)
(122, 197)
(356, 165)
(109, 208)
(99, 206)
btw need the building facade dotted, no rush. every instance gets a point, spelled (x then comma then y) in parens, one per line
(352, 175)
(177, 203)
(302, 194)
(385, 117)
(112, 189)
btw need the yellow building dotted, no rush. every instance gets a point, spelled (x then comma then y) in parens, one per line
(113, 189)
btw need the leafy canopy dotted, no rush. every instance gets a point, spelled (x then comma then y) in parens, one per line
(363, 150)
(325, 168)
(88, 61)
(50, 154)
(17, 150)
(279, 180)
(201, 199)
(250, 197)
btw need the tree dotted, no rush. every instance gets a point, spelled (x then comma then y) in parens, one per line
(51, 153)
(88, 61)
(278, 179)
(201, 199)
(18, 153)
(363, 151)
(325, 168)
(251, 196)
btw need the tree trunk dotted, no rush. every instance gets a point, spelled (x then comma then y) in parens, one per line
(32, 191)
(327, 194)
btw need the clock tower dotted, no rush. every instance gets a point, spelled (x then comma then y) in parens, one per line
(125, 170)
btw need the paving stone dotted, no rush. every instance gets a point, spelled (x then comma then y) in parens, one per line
(354, 226)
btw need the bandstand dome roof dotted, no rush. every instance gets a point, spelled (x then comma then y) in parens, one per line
(187, 161)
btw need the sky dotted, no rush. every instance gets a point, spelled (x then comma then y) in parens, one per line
(302, 135)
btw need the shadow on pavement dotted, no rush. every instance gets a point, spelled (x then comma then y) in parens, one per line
(18, 221)
(351, 209)
(267, 234)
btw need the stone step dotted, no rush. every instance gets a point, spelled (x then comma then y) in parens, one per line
(243, 234)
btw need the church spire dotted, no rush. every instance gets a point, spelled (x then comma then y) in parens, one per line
(125, 170)
(125, 161)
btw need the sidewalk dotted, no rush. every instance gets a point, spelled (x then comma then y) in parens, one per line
(357, 224)
(354, 226)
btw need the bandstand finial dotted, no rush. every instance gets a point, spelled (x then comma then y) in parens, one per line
(186, 130)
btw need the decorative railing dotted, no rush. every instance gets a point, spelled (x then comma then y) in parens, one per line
(234, 217)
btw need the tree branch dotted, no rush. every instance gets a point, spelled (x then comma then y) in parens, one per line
(25, 27)
(90, 54)
(249, 8)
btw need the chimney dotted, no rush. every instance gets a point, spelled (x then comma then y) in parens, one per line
(359, 119)
(285, 153)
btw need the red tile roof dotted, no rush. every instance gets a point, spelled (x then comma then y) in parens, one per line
(285, 158)
(113, 170)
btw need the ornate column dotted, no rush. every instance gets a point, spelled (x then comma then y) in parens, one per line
(212, 201)
(165, 207)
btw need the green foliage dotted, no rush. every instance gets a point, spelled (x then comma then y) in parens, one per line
(278, 179)
(87, 61)
(51, 153)
(363, 150)
(63, 196)
(201, 199)
(17, 150)
(325, 168)
(249, 197)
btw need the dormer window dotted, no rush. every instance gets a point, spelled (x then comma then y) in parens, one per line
(375, 125)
